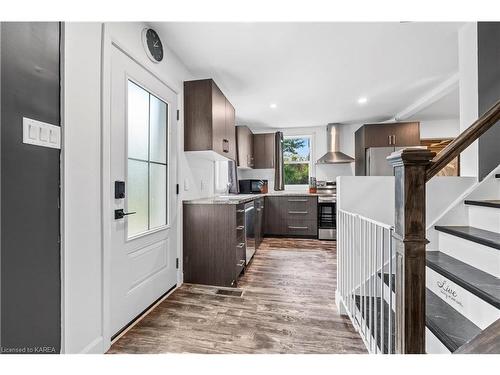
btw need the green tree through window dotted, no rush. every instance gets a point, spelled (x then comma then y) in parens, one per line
(296, 157)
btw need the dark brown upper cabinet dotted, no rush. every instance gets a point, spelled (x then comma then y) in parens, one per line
(244, 145)
(263, 150)
(396, 134)
(209, 119)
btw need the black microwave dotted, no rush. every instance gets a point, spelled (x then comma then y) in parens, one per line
(252, 186)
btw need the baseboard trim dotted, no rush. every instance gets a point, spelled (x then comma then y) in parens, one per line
(94, 347)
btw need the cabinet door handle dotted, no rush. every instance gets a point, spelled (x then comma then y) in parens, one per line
(294, 227)
(240, 227)
(225, 145)
(390, 139)
(297, 200)
(394, 139)
(240, 246)
(240, 211)
(298, 212)
(241, 263)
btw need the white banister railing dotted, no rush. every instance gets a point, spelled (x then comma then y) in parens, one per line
(365, 269)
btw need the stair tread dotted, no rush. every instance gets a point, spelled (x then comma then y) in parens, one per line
(447, 324)
(481, 236)
(476, 281)
(495, 203)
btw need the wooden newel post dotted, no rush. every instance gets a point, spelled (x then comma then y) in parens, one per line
(409, 243)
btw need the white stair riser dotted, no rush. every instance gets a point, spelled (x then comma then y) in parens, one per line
(487, 218)
(483, 257)
(478, 311)
(433, 345)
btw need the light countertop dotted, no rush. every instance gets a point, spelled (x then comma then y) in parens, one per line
(243, 198)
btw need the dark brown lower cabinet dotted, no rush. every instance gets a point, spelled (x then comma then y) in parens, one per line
(291, 216)
(213, 243)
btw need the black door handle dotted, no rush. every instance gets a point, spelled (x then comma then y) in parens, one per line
(120, 214)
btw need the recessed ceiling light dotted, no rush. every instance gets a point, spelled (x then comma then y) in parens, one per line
(272, 105)
(362, 100)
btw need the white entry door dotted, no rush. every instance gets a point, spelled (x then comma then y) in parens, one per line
(143, 164)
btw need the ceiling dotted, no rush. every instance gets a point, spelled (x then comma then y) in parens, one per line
(315, 72)
(446, 108)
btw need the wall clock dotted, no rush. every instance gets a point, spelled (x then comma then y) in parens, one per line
(152, 45)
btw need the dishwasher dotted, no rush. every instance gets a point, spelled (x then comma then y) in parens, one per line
(249, 230)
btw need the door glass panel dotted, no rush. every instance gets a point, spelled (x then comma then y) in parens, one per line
(137, 197)
(147, 161)
(158, 130)
(138, 122)
(158, 195)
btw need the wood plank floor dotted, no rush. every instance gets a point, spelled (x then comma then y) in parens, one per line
(287, 306)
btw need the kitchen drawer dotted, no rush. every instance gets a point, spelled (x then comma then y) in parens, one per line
(298, 227)
(301, 208)
(300, 203)
(241, 252)
(307, 213)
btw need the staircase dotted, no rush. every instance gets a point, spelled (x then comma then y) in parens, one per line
(463, 270)
(407, 295)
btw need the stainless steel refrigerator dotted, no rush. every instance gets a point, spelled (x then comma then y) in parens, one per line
(376, 161)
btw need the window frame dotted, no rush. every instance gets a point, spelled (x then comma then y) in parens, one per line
(149, 231)
(310, 163)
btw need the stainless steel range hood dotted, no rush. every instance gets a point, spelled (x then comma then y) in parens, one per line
(333, 154)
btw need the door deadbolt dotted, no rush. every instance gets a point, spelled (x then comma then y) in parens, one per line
(119, 189)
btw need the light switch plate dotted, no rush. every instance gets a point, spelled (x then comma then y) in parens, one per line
(41, 134)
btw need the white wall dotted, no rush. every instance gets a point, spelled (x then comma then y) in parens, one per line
(441, 192)
(439, 128)
(81, 169)
(468, 86)
(369, 196)
(81, 189)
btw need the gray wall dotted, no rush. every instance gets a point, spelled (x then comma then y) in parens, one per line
(488, 38)
(30, 251)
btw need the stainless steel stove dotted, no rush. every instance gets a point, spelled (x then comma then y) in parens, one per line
(327, 210)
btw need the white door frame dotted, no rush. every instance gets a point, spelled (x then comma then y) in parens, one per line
(110, 42)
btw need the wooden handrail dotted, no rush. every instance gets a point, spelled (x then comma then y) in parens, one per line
(464, 140)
